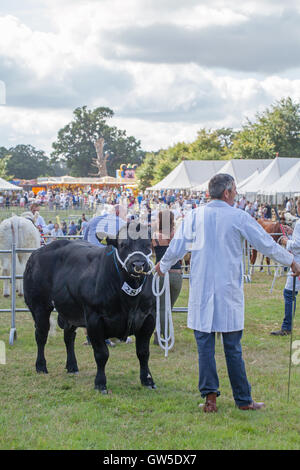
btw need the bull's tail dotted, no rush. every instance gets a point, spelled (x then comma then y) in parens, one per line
(17, 233)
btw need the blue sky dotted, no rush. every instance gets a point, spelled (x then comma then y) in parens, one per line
(165, 67)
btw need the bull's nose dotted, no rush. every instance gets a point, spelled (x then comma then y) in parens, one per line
(138, 266)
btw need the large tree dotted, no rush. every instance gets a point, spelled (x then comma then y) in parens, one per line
(3, 167)
(145, 173)
(26, 162)
(275, 131)
(75, 144)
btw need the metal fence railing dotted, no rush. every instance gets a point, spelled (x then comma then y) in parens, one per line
(14, 277)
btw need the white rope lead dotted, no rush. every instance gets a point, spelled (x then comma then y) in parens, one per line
(167, 342)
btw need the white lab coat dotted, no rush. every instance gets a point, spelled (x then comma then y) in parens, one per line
(217, 230)
(293, 246)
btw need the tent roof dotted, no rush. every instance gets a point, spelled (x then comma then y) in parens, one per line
(6, 186)
(247, 180)
(271, 174)
(242, 169)
(287, 184)
(189, 173)
(238, 169)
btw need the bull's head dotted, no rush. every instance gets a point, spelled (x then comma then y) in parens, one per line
(133, 248)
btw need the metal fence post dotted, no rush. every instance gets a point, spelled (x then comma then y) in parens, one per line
(13, 331)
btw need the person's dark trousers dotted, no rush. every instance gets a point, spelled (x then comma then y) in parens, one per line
(208, 377)
(288, 309)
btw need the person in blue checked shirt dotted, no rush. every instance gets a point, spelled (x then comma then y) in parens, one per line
(293, 246)
(214, 234)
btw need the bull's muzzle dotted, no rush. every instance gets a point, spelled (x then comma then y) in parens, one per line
(139, 266)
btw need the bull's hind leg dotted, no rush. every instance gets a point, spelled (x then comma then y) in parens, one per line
(101, 353)
(42, 325)
(69, 338)
(143, 351)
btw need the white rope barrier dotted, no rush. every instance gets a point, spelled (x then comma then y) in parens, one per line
(167, 342)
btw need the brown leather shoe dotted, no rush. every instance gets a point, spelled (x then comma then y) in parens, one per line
(210, 404)
(253, 406)
(280, 333)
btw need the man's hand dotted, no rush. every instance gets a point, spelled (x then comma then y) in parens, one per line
(157, 269)
(283, 241)
(295, 268)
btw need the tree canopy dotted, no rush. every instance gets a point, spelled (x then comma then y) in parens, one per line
(24, 162)
(75, 143)
(275, 131)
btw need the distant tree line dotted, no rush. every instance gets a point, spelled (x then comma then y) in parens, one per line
(273, 131)
(26, 162)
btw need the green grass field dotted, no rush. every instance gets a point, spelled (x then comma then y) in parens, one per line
(57, 411)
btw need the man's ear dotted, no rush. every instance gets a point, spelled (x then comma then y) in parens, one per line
(226, 194)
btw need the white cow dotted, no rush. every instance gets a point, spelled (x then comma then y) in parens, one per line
(22, 231)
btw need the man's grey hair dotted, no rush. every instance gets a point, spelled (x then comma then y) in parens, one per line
(218, 184)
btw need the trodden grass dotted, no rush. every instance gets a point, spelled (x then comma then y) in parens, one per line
(57, 411)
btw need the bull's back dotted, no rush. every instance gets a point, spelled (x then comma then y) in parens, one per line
(53, 275)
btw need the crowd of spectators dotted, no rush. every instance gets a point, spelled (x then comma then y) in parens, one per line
(142, 204)
(61, 199)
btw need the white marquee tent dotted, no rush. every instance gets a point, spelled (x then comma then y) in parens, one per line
(6, 186)
(189, 173)
(269, 176)
(239, 169)
(247, 180)
(287, 185)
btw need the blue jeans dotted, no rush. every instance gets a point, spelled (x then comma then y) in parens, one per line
(208, 377)
(288, 309)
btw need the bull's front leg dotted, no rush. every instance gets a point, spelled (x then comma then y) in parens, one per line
(101, 353)
(142, 350)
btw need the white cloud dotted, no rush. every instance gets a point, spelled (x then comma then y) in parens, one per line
(2, 92)
(185, 65)
(38, 128)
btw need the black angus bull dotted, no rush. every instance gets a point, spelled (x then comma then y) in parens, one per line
(107, 290)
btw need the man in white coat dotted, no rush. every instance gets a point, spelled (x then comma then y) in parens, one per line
(214, 234)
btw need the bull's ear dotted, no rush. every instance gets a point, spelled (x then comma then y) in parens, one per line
(102, 240)
(112, 241)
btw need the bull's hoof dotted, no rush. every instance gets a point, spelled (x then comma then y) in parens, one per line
(6, 295)
(42, 370)
(75, 372)
(72, 369)
(149, 383)
(20, 295)
(151, 387)
(101, 389)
